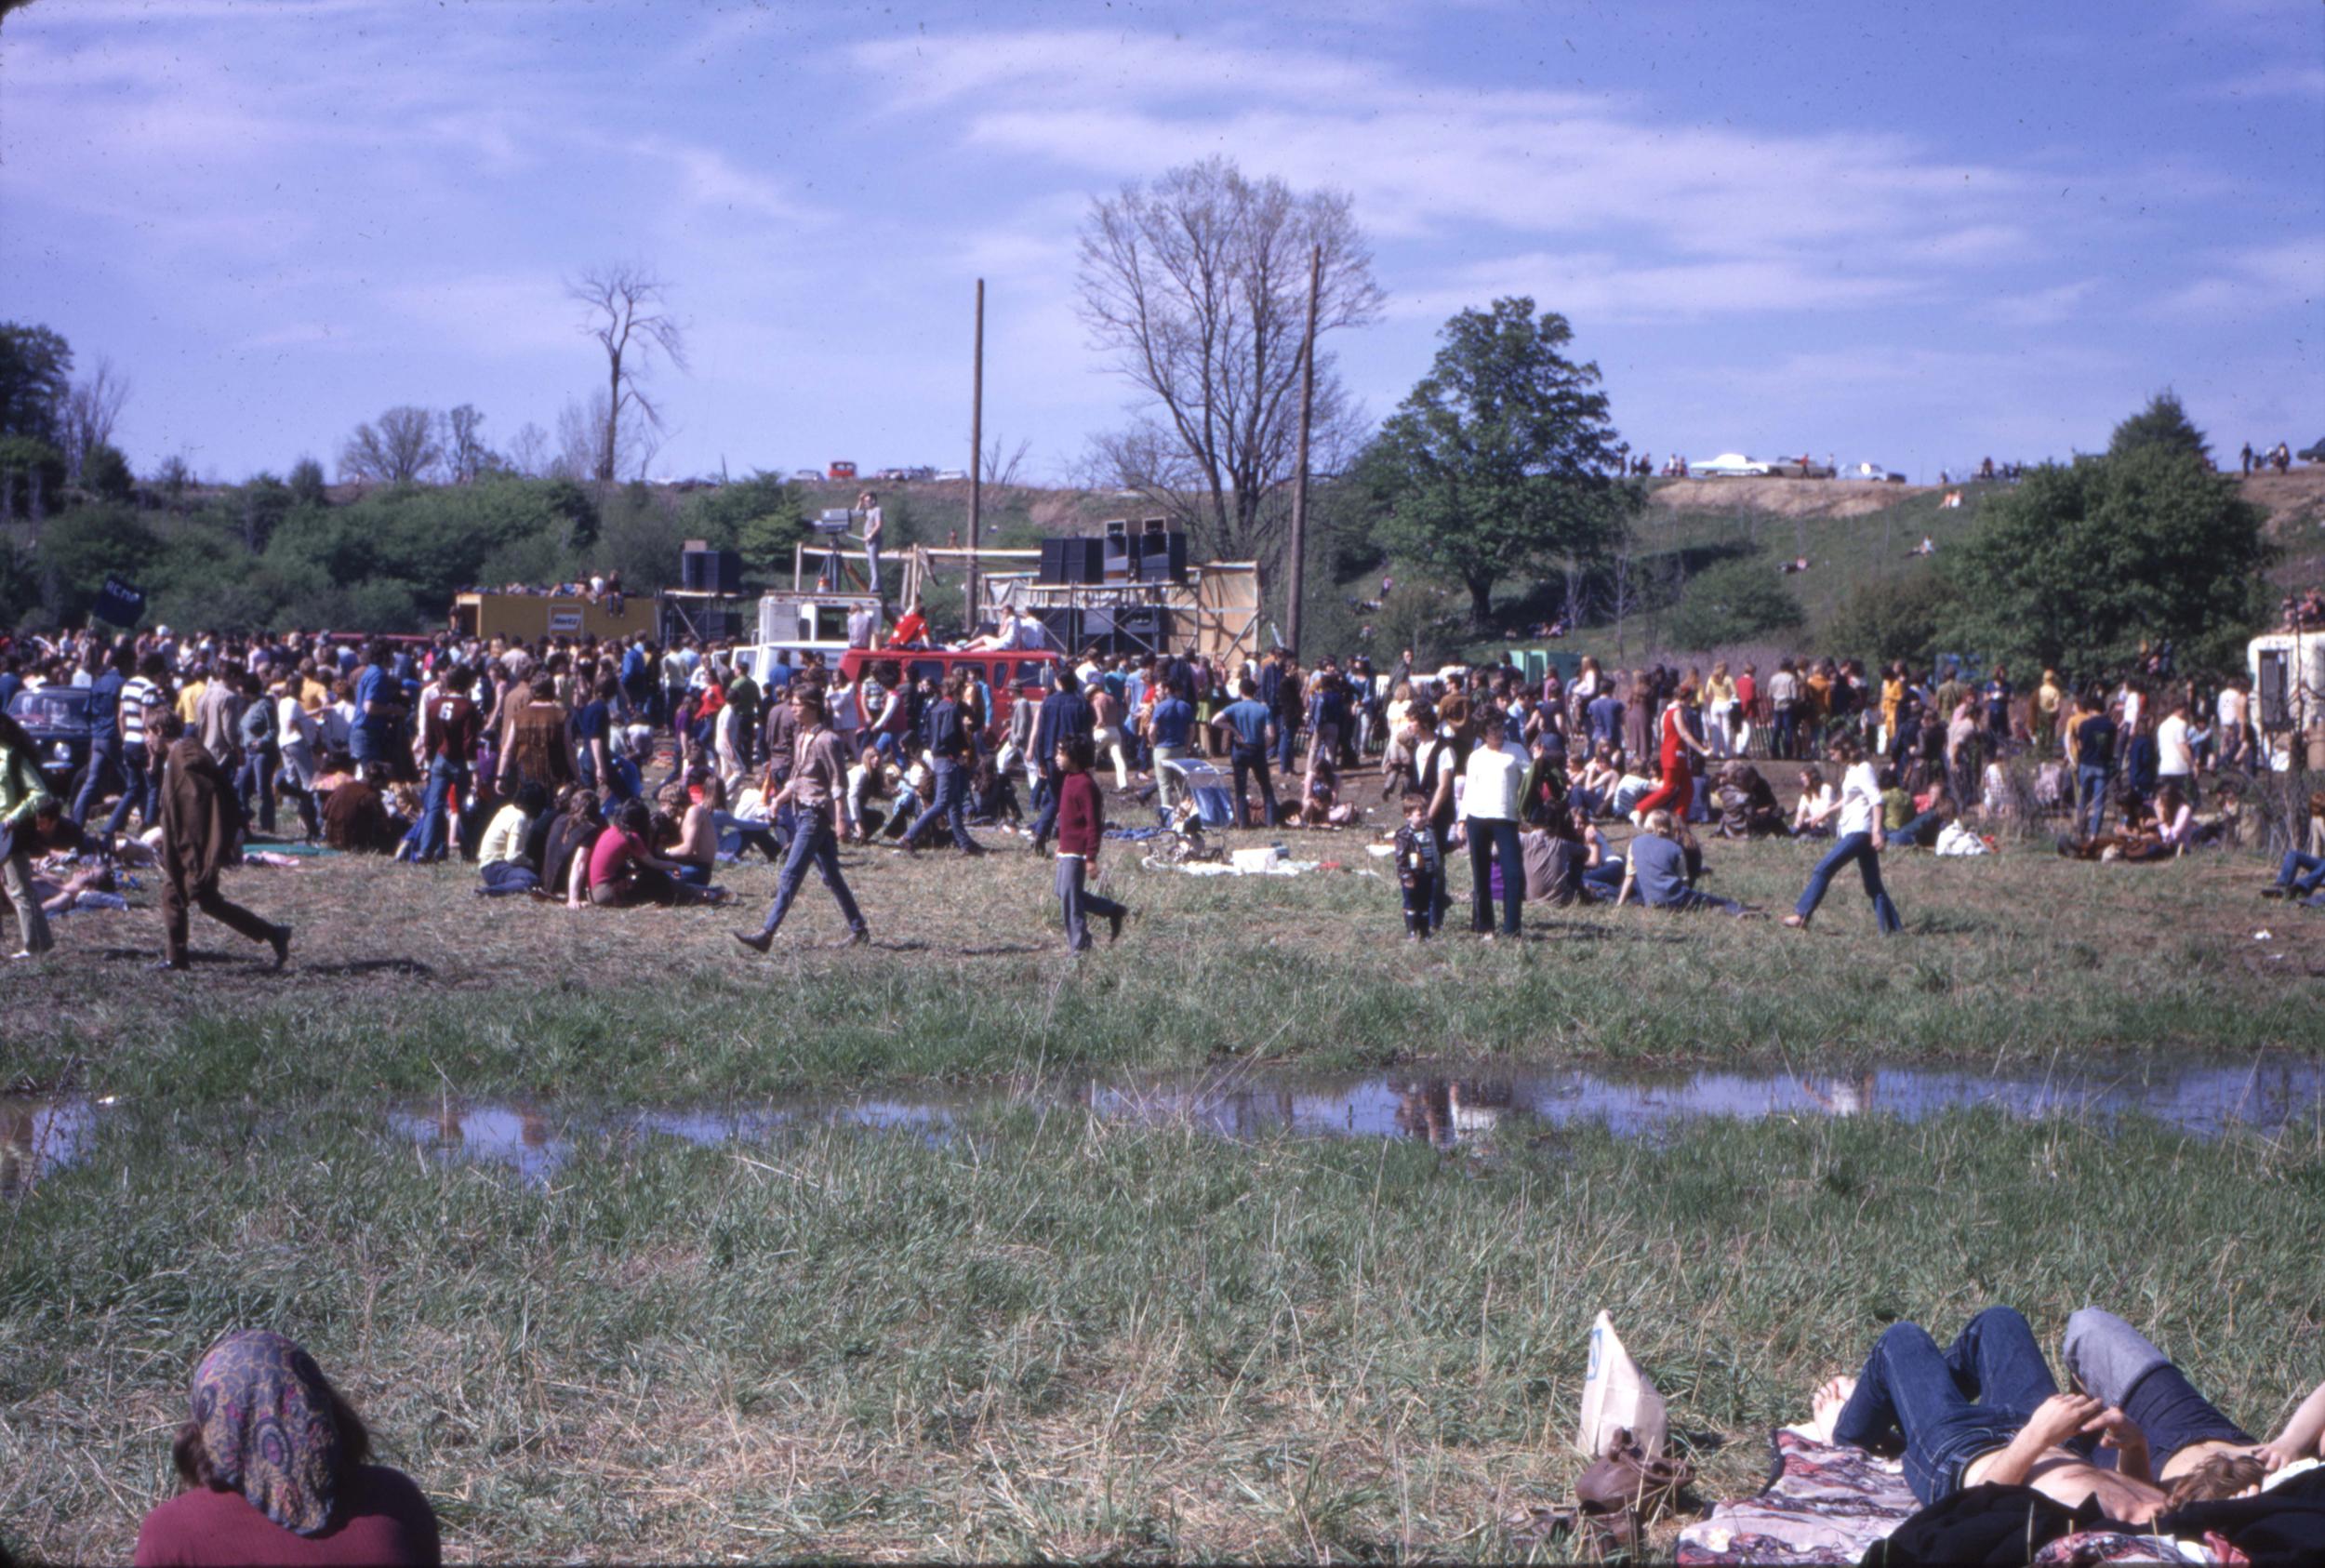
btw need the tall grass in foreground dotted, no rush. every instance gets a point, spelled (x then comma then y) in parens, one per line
(1053, 1336)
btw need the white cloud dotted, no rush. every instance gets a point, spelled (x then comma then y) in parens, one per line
(2041, 307)
(2284, 79)
(2254, 280)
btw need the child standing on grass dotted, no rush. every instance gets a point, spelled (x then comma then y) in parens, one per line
(1420, 867)
(1081, 830)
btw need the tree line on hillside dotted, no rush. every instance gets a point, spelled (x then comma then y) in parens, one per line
(1503, 468)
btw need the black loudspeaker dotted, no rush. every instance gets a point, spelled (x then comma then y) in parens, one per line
(1064, 625)
(1073, 561)
(1053, 561)
(2276, 708)
(710, 571)
(1162, 557)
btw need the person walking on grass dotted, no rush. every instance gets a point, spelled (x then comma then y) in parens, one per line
(202, 821)
(817, 782)
(1858, 838)
(1081, 831)
(24, 799)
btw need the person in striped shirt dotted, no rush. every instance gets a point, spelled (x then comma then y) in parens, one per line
(142, 696)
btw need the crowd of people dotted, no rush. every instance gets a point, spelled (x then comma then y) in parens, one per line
(540, 762)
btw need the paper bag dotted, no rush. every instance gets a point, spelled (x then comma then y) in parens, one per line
(1618, 1397)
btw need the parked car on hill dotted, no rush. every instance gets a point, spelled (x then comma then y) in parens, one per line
(1876, 471)
(1730, 465)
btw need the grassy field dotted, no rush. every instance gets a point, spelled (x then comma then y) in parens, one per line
(1058, 1337)
(403, 981)
(1045, 1333)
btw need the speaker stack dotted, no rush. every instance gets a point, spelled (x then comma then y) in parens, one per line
(710, 571)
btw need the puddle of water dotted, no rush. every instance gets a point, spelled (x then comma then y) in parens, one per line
(38, 1136)
(2267, 1093)
(2204, 1100)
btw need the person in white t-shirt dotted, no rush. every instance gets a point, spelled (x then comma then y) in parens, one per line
(1489, 799)
(1857, 837)
(2176, 752)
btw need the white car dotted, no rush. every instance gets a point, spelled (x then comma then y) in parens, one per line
(1731, 465)
(1876, 471)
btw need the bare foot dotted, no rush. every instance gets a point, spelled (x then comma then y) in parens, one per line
(1824, 1405)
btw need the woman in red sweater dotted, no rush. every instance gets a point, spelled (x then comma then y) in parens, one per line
(274, 1465)
(1081, 828)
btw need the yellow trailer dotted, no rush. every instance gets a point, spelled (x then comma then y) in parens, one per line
(531, 617)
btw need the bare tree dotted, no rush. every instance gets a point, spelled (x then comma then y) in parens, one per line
(628, 310)
(402, 450)
(465, 454)
(528, 451)
(1196, 286)
(91, 410)
(1000, 470)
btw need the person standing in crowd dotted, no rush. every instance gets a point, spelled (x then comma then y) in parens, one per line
(273, 1462)
(1169, 724)
(1064, 712)
(2175, 751)
(2094, 761)
(448, 734)
(1420, 869)
(1081, 833)
(951, 758)
(818, 780)
(260, 751)
(1858, 837)
(1490, 800)
(108, 678)
(379, 707)
(24, 798)
(201, 825)
(1783, 701)
(1243, 729)
(145, 694)
(867, 507)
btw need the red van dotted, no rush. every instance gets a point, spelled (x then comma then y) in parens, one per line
(1013, 675)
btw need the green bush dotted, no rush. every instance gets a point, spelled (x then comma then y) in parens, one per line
(1733, 602)
(1891, 618)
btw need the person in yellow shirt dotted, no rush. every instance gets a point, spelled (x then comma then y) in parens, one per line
(1893, 694)
(189, 694)
(2046, 710)
(1720, 709)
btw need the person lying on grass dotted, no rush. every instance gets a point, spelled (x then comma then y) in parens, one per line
(2193, 1449)
(1986, 1412)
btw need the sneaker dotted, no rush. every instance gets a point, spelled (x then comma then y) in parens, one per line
(859, 938)
(1797, 922)
(757, 941)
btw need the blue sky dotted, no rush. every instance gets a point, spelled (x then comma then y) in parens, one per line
(1911, 233)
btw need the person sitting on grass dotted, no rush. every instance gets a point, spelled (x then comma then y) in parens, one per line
(2302, 875)
(2138, 839)
(1658, 869)
(274, 1463)
(621, 869)
(2193, 1449)
(1081, 831)
(1746, 805)
(1601, 773)
(1320, 794)
(1812, 813)
(567, 836)
(356, 819)
(1986, 1412)
(503, 865)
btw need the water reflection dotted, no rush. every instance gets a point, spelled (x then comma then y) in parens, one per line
(38, 1136)
(1447, 1112)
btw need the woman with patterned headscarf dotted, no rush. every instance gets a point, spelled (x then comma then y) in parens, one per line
(273, 1463)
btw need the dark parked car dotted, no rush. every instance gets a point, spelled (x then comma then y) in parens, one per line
(57, 719)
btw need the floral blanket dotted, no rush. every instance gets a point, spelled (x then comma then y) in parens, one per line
(1828, 1503)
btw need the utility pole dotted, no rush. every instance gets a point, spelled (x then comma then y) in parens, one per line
(1299, 479)
(976, 453)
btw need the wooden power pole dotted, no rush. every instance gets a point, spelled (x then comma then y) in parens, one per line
(976, 454)
(1298, 584)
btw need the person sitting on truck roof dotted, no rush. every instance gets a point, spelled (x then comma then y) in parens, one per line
(911, 628)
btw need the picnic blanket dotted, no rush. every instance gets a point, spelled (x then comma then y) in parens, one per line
(1826, 1503)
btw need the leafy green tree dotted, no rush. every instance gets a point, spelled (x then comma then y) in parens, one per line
(307, 484)
(102, 538)
(1502, 459)
(2162, 424)
(1892, 618)
(105, 473)
(30, 472)
(1733, 602)
(35, 375)
(2076, 565)
(758, 516)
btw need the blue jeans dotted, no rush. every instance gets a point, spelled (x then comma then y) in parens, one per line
(2115, 1364)
(105, 771)
(951, 804)
(1603, 881)
(1491, 838)
(2090, 783)
(446, 783)
(1246, 761)
(500, 878)
(812, 844)
(2300, 875)
(1947, 1410)
(137, 763)
(1857, 847)
(257, 777)
(1287, 749)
